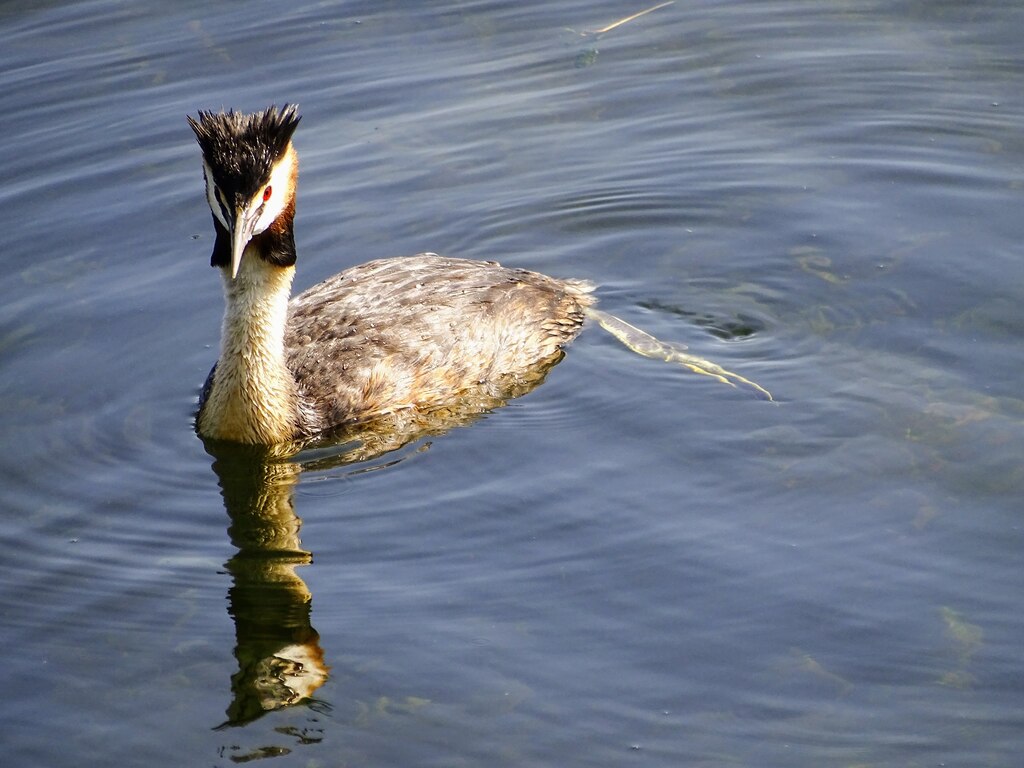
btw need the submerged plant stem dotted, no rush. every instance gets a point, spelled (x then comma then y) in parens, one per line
(648, 346)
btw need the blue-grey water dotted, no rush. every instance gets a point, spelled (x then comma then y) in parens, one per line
(632, 564)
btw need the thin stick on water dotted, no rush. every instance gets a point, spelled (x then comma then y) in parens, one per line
(620, 22)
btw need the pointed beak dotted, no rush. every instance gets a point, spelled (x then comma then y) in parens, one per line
(241, 234)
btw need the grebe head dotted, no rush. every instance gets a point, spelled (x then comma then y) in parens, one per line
(250, 168)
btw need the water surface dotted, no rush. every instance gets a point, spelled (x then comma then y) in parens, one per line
(629, 565)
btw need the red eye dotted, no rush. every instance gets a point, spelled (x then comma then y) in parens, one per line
(267, 193)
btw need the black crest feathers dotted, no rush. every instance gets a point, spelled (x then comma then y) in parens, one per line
(241, 149)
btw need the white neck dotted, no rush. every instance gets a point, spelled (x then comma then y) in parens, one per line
(252, 398)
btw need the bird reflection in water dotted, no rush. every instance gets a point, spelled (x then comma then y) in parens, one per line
(280, 660)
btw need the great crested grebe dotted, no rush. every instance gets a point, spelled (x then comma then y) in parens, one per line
(392, 334)
(388, 335)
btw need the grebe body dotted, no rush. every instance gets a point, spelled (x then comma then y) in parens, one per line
(393, 334)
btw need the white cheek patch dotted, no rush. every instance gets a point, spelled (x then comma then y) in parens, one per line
(279, 184)
(211, 197)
